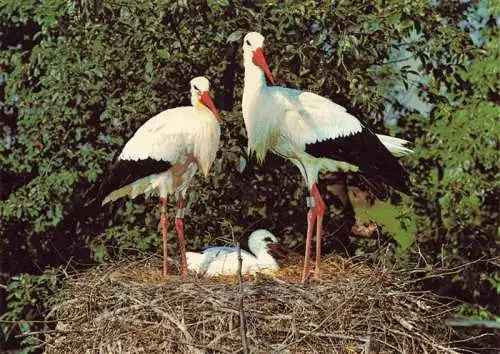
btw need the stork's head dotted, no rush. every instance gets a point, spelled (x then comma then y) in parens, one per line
(200, 94)
(253, 53)
(261, 240)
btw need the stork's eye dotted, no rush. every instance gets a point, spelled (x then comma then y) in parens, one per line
(196, 88)
(268, 239)
(248, 42)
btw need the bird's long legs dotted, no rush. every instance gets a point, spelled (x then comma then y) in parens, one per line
(164, 223)
(320, 211)
(311, 218)
(314, 218)
(181, 240)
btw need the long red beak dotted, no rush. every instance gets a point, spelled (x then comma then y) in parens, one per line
(207, 101)
(260, 60)
(278, 250)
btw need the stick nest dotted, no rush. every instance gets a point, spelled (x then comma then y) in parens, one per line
(130, 307)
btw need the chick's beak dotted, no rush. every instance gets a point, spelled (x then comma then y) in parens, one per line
(260, 60)
(207, 101)
(278, 250)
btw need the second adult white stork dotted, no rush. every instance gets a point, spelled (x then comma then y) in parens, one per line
(163, 156)
(314, 134)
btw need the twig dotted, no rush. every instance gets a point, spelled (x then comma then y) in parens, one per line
(241, 309)
(424, 339)
(472, 323)
(332, 335)
(27, 334)
(243, 320)
(311, 332)
(178, 324)
(367, 346)
(118, 311)
(190, 342)
(368, 343)
(472, 338)
(201, 346)
(219, 337)
(452, 269)
(30, 321)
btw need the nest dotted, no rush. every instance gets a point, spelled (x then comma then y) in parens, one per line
(130, 307)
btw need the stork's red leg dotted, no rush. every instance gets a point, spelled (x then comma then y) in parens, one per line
(320, 207)
(311, 218)
(164, 222)
(181, 240)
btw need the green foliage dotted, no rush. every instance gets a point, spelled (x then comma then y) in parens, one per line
(476, 313)
(29, 298)
(457, 178)
(396, 220)
(123, 240)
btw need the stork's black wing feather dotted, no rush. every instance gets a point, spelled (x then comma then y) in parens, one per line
(124, 172)
(365, 150)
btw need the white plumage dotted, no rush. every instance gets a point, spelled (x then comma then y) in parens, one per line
(164, 155)
(314, 133)
(173, 133)
(186, 137)
(224, 261)
(396, 146)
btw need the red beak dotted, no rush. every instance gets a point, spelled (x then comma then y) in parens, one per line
(279, 251)
(260, 60)
(207, 101)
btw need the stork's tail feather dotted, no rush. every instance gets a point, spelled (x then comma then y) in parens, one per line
(117, 194)
(130, 177)
(122, 192)
(132, 190)
(396, 146)
(373, 154)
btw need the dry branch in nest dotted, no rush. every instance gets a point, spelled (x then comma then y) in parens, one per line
(129, 307)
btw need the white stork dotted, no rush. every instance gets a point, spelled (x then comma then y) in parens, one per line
(163, 156)
(314, 134)
(224, 260)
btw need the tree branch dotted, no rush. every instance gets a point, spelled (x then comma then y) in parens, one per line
(243, 320)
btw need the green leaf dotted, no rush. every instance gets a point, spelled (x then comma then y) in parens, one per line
(162, 53)
(149, 67)
(235, 36)
(242, 164)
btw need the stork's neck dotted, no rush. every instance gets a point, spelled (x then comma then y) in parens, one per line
(258, 123)
(265, 259)
(203, 110)
(254, 77)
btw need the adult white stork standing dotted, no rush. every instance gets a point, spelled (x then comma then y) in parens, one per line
(163, 156)
(314, 134)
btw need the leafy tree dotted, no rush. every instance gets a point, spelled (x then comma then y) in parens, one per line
(457, 179)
